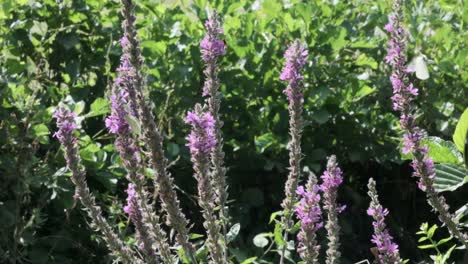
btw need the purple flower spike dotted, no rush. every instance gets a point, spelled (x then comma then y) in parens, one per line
(388, 250)
(332, 178)
(296, 58)
(201, 138)
(131, 208)
(212, 47)
(309, 213)
(66, 124)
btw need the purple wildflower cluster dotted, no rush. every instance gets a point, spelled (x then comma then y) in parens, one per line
(211, 45)
(201, 138)
(388, 250)
(131, 208)
(383, 240)
(66, 125)
(404, 93)
(296, 58)
(332, 178)
(117, 122)
(309, 213)
(308, 210)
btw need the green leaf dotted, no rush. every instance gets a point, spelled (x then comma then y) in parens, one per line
(430, 232)
(459, 136)
(249, 260)
(264, 141)
(321, 116)
(100, 106)
(260, 241)
(460, 214)
(274, 215)
(79, 107)
(363, 60)
(278, 233)
(440, 151)
(40, 130)
(158, 47)
(233, 232)
(364, 91)
(449, 177)
(340, 41)
(172, 149)
(443, 241)
(426, 246)
(39, 28)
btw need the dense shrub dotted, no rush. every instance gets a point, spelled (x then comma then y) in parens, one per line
(68, 51)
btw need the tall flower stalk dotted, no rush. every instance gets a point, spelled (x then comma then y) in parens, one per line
(332, 179)
(404, 94)
(296, 58)
(145, 219)
(212, 47)
(388, 250)
(152, 138)
(66, 127)
(201, 141)
(309, 213)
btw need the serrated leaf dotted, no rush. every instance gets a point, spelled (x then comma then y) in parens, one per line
(459, 136)
(449, 177)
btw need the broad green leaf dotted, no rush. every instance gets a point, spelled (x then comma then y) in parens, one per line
(264, 141)
(321, 116)
(364, 91)
(459, 136)
(158, 47)
(40, 130)
(260, 241)
(440, 151)
(363, 60)
(449, 177)
(100, 106)
(39, 28)
(79, 107)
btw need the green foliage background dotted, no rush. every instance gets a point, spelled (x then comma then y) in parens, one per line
(53, 51)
